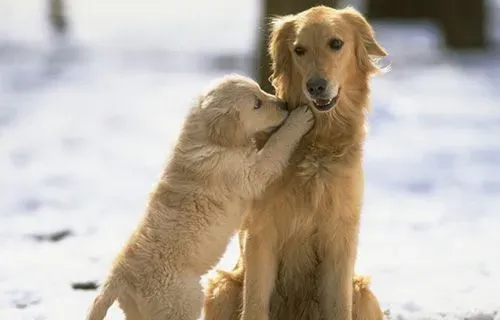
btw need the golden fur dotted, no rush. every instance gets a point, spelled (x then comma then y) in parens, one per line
(197, 205)
(299, 244)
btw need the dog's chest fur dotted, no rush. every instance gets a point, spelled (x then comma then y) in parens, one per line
(318, 182)
(322, 185)
(315, 163)
(318, 170)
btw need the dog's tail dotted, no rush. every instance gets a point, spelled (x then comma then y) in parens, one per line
(104, 299)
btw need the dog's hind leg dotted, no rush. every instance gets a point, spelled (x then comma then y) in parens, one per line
(223, 301)
(365, 304)
(224, 297)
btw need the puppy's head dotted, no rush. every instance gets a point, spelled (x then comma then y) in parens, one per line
(238, 107)
(318, 50)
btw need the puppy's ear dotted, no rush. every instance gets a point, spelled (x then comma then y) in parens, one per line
(366, 45)
(282, 31)
(224, 127)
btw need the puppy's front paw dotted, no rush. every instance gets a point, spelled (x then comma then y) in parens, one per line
(301, 119)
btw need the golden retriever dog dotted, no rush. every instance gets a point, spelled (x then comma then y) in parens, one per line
(299, 244)
(215, 170)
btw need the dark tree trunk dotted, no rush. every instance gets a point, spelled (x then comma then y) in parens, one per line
(400, 9)
(462, 22)
(272, 8)
(57, 16)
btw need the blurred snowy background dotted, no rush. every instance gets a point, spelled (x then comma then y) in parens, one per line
(86, 123)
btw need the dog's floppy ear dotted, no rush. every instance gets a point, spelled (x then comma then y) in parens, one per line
(366, 45)
(282, 30)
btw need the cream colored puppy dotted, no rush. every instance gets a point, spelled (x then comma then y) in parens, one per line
(215, 170)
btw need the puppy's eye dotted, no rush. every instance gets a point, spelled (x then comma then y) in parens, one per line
(335, 44)
(299, 50)
(258, 104)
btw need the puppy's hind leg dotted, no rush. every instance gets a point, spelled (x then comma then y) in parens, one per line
(129, 307)
(179, 300)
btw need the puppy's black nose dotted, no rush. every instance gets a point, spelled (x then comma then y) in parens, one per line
(316, 86)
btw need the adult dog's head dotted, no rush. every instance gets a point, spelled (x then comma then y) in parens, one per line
(321, 54)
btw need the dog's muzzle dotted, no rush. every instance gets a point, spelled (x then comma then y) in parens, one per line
(319, 92)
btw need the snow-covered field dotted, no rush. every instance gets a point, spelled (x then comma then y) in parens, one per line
(86, 127)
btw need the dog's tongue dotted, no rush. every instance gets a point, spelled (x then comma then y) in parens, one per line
(321, 102)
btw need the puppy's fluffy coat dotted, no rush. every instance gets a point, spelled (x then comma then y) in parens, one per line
(299, 243)
(196, 206)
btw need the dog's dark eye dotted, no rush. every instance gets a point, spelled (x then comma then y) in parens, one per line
(258, 104)
(300, 51)
(335, 44)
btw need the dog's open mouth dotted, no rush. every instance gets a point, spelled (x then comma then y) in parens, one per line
(325, 105)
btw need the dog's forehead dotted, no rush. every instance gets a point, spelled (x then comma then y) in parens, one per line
(327, 26)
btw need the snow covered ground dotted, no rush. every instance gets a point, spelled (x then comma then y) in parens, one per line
(86, 127)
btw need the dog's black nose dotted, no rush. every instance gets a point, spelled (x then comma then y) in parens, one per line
(316, 86)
